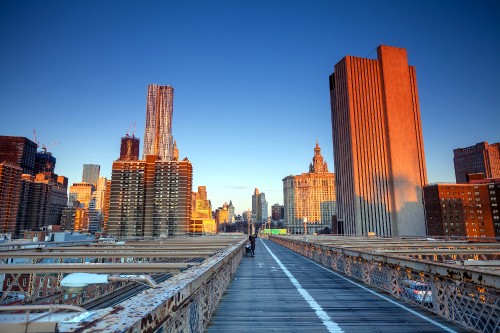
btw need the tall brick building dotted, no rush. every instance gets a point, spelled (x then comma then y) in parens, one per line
(481, 158)
(150, 198)
(10, 186)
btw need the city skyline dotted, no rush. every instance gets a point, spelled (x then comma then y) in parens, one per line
(250, 81)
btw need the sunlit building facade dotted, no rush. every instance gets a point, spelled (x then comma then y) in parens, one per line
(150, 198)
(462, 210)
(158, 139)
(222, 215)
(202, 222)
(378, 145)
(75, 218)
(481, 158)
(309, 198)
(81, 192)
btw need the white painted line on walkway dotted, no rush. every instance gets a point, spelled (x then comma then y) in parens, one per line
(447, 329)
(327, 321)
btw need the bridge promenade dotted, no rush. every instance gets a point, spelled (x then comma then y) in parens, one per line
(281, 291)
(293, 284)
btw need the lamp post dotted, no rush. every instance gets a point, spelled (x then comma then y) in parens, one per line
(78, 281)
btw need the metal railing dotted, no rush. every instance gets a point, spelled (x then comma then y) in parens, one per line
(465, 295)
(183, 303)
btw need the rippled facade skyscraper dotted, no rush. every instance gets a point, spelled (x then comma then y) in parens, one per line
(158, 139)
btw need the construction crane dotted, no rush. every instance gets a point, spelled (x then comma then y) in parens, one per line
(44, 147)
(131, 129)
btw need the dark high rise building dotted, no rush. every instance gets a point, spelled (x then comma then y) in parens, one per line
(10, 183)
(41, 202)
(129, 148)
(90, 174)
(481, 158)
(378, 145)
(18, 150)
(44, 162)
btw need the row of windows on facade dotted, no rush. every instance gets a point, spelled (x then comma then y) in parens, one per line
(469, 199)
(457, 217)
(175, 194)
(25, 282)
(469, 230)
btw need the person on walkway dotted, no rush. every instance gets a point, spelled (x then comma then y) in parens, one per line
(252, 239)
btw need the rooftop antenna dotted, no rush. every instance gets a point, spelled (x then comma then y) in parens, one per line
(34, 138)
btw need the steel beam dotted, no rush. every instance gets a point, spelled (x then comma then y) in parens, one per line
(95, 268)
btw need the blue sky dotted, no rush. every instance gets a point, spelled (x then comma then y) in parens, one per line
(250, 79)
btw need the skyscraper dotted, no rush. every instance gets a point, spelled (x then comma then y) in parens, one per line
(158, 138)
(481, 158)
(20, 150)
(310, 197)
(378, 145)
(259, 206)
(150, 198)
(90, 174)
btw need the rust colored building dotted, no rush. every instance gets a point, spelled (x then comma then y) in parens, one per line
(10, 186)
(461, 210)
(378, 145)
(481, 158)
(150, 198)
(19, 150)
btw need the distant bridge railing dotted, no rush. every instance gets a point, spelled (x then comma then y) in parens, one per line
(465, 295)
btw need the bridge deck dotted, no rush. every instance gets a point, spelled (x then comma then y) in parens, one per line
(280, 291)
